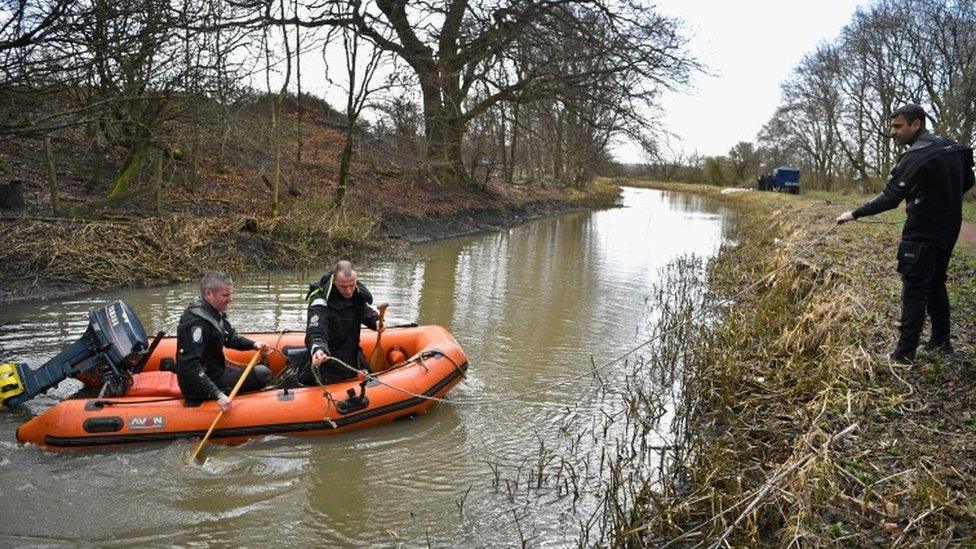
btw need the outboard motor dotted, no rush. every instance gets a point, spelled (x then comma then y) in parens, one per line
(113, 346)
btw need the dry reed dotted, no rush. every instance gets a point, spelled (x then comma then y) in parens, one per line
(788, 431)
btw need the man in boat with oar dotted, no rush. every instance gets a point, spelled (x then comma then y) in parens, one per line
(931, 177)
(338, 304)
(201, 369)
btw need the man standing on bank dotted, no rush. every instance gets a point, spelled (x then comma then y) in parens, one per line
(201, 336)
(931, 177)
(338, 305)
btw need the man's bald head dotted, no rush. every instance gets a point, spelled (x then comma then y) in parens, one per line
(344, 266)
(345, 277)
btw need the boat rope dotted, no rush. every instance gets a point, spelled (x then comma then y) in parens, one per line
(594, 369)
(278, 342)
(879, 221)
(328, 396)
(373, 377)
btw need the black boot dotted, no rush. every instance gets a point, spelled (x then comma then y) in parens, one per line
(940, 346)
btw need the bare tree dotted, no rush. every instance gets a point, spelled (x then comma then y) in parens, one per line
(360, 69)
(274, 103)
(25, 24)
(664, 160)
(126, 74)
(941, 50)
(562, 133)
(877, 68)
(455, 45)
(401, 127)
(836, 103)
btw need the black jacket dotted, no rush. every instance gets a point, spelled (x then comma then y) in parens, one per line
(931, 176)
(200, 340)
(333, 322)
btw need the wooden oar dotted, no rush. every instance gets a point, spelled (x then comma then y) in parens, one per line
(377, 362)
(233, 393)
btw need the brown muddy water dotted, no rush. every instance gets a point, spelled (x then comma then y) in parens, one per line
(531, 306)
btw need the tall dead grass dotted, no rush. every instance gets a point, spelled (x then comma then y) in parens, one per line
(112, 254)
(787, 430)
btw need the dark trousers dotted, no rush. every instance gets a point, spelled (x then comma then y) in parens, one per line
(258, 378)
(922, 266)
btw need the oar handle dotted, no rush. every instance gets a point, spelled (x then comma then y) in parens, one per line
(382, 309)
(247, 370)
(233, 393)
(376, 360)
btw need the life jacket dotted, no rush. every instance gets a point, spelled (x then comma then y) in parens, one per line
(200, 310)
(322, 289)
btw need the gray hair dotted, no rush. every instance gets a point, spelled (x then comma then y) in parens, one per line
(343, 266)
(214, 280)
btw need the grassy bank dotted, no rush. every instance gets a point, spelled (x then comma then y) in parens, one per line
(789, 429)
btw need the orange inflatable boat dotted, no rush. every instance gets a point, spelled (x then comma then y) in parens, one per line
(422, 364)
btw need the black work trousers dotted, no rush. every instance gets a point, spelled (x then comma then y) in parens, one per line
(258, 378)
(922, 266)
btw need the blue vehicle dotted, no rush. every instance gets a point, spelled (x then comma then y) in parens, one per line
(786, 178)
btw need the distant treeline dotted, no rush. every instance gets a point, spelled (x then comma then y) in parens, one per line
(464, 91)
(832, 121)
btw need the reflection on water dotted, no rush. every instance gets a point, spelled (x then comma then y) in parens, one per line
(530, 305)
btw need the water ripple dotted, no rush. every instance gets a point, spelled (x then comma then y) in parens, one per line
(534, 308)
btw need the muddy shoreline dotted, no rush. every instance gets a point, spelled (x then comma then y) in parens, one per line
(418, 229)
(391, 233)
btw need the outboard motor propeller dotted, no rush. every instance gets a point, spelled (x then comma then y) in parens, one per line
(111, 347)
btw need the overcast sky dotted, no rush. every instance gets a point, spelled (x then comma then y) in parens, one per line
(750, 47)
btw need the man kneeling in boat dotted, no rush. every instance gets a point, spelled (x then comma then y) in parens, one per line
(201, 336)
(338, 305)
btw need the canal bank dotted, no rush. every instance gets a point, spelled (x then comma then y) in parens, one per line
(789, 429)
(516, 456)
(45, 258)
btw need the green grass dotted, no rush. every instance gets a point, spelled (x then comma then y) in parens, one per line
(969, 208)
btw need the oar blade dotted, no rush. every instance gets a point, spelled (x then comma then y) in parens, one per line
(377, 362)
(233, 393)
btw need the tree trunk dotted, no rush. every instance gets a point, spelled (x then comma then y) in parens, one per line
(444, 152)
(344, 162)
(276, 157)
(158, 183)
(190, 179)
(299, 146)
(513, 147)
(130, 170)
(52, 177)
(501, 149)
(96, 174)
(98, 151)
(443, 130)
